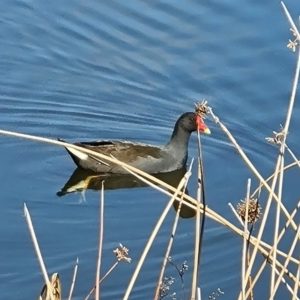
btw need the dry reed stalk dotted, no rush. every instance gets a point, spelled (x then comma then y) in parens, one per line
(105, 275)
(109, 271)
(296, 284)
(236, 214)
(153, 234)
(198, 235)
(263, 246)
(247, 232)
(244, 255)
(170, 243)
(264, 220)
(286, 284)
(294, 27)
(277, 219)
(292, 155)
(286, 272)
(37, 250)
(297, 162)
(196, 240)
(73, 279)
(166, 192)
(101, 222)
(250, 280)
(291, 250)
(198, 293)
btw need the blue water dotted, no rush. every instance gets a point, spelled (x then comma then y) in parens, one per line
(83, 70)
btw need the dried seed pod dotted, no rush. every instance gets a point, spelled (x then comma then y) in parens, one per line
(122, 253)
(201, 108)
(254, 209)
(277, 137)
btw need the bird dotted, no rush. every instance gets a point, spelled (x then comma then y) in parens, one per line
(151, 159)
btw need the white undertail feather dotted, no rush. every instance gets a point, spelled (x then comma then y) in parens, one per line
(78, 153)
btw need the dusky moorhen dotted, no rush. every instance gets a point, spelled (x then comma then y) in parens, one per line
(148, 158)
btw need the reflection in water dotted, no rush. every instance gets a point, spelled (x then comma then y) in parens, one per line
(82, 180)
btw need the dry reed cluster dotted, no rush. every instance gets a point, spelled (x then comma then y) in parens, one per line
(249, 213)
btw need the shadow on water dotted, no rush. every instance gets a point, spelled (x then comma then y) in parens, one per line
(81, 180)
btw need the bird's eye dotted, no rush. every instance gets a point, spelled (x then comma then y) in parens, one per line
(192, 119)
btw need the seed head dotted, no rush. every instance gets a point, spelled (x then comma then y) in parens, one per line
(201, 108)
(277, 137)
(292, 44)
(122, 253)
(254, 209)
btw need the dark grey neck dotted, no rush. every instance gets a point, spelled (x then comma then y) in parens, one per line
(180, 138)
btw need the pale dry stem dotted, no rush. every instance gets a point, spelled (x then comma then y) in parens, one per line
(101, 222)
(244, 255)
(296, 284)
(197, 236)
(38, 251)
(291, 250)
(73, 280)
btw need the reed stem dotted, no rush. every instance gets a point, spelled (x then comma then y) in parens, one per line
(38, 251)
(73, 279)
(101, 222)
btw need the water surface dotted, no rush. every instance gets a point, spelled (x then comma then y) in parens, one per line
(113, 69)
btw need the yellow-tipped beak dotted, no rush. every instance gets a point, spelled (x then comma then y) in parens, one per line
(206, 130)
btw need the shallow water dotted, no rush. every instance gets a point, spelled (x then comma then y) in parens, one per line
(114, 69)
